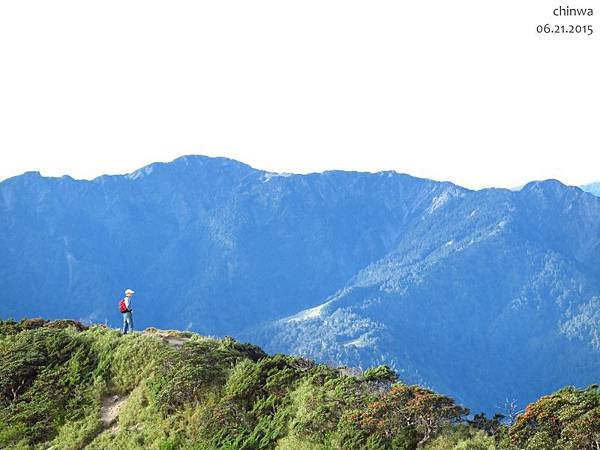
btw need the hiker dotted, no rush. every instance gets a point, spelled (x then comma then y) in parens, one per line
(125, 308)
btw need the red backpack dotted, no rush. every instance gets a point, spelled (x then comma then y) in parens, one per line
(122, 306)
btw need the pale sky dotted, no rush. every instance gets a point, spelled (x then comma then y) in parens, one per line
(465, 91)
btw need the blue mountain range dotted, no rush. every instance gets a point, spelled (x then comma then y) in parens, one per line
(484, 295)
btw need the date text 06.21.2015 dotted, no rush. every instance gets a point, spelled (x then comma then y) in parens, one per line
(573, 15)
(548, 28)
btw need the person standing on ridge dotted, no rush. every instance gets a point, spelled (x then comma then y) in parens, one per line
(125, 308)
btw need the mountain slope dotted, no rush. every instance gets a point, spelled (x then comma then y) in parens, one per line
(480, 308)
(205, 242)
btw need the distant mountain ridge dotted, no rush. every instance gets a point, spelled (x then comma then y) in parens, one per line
(592, 188)
(472, 293)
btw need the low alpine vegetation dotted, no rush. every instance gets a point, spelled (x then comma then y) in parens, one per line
(66, 386)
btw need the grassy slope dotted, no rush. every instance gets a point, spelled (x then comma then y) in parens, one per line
(182, 390)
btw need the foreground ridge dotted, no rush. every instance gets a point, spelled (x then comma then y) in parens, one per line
(65, 385)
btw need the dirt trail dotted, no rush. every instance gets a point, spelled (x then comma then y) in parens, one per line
(109, 413)
(171, 338)
(111, 404)
(176, 342)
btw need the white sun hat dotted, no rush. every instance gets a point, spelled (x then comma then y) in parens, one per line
(129, 291)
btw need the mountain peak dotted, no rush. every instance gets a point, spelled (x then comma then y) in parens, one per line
(551, 188)
(187, 163)
(550, 183)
